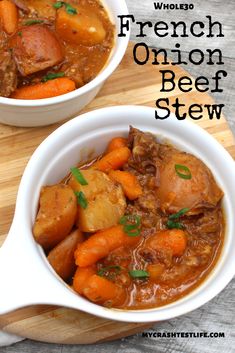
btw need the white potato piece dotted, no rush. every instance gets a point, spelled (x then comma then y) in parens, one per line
(84, 28)
(61, 257)
(56, 215)
(106, 201)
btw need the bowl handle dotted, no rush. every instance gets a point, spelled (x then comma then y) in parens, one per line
(25, 278)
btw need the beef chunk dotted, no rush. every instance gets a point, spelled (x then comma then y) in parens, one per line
(74, 72)
(22, 6)
(8, 74)
(144, 151)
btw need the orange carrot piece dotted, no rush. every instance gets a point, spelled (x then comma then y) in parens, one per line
(81, 277)
(101, 244)
(8, 16)
(113, 160)
(115, 143)
(47, 89)
(172, 239)
(129, 183)
(101, 290)
(155, 271)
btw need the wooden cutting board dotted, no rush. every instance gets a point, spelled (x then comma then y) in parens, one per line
(130, 84)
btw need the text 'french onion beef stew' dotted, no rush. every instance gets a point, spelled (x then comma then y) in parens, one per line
(49, 48)
(138, 227)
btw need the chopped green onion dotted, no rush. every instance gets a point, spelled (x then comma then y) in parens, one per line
(19, 34)
(131, 225)
(175, 225)
(179, 214)
(58, 4)
(52, 76)
(183, 171)
(78, 176)
(172, 224)
(70, 10)
(103, 270)
(33, 22)
(139, 274)
(130, 218)
(81, 198)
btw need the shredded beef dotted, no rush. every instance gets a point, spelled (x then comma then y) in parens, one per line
(144, 151)
(8, 74)
(22, 6)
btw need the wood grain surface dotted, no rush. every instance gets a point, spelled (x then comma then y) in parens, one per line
(218, 314)
(222, 11)
(130, 84)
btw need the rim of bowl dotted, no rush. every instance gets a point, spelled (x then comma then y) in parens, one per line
(210, 286)
(114, 60)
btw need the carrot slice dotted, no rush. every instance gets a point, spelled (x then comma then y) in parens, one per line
(115, 143)
(47, 89)
(101, 244)
(113, 160)
(81, 277)
(101, 290)
(129, 183)
(172, 239)
(155, 271)
(8, 16)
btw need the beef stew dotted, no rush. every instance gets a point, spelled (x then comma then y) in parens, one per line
(51, 47)
(152, 222)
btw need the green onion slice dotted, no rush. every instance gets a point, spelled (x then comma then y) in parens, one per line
(52, 76)
(139, 274)
(183, 172)
(179, 214)
(175, 225)
(70, 10)
(131, 225)
(58, 4)
(78, 176)
(103, 270)
(32, 22)
(130, 219)
(81, 198)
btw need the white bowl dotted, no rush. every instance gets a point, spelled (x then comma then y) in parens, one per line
(48, 111)
(26, 277)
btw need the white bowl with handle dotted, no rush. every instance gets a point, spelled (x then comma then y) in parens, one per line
(48, 111)
(25, 275)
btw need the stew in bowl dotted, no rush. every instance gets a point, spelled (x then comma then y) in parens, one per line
(49, 48)
(138, 227)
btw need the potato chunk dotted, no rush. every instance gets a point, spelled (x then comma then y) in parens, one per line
(42, 9)
(84, 28)
(35, 49)
(106, 201)
(62, 258)
(56, 215)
